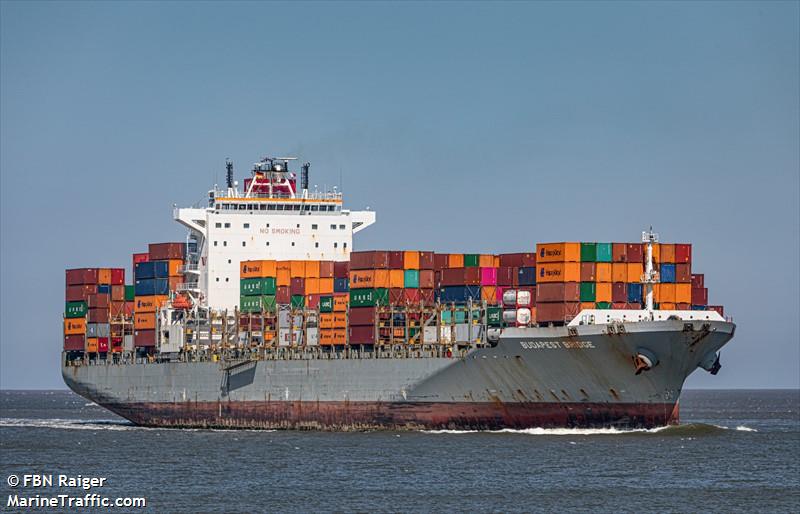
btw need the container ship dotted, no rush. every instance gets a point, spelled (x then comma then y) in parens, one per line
(266, 317)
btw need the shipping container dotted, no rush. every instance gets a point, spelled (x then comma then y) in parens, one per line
(150, 270)
(667, 272)
(604, 252)
(455, 260)
(74, 343)
(282, 295)
(526, 276)
(619, 272)
(426, 279)
(558, 292)
(97, 315)
(166, 251)
(635, 293)
(396, 295)
(411, 278)
(459, 294)
(144, 338)
(461, 277)
(144, 321)
(118, 293)
(91, 344)
(340, 302)
(489, 294)
(372, 259)
(257, 286)
(471, 260)
(152, 287)
(507, 276)
(619, 252)
(149, 303)
(130, 293)
(80, 293)
(558, 252)
(619, 292)
(427, 261)
(341, 269)
(683, 293)
(634, 271)
(298, 301)
(75, 309)
(588, 272)
(517, 260)
(74, 326)
(683, 273)
(634, 252)
(297, 286)
(683, 253)
(82, 276)
(699, 296)
(603, 272)
(369, 297)
(603, 292)
(559, 272)
(361, 334)
(341, 285)
(588, 252)
(587, 291)
(557, 312)
(360, 316)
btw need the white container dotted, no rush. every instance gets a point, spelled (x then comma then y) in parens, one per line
(127, 343)
(510, 316)
(429, 335)
(523, 316)
(510, 297)
(312, 337)
(523, 298)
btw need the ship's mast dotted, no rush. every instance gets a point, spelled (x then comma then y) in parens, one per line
(650, 276)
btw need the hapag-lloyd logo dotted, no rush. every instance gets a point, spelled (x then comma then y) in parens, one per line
(554, 252)
(251, 269)
(552, 272)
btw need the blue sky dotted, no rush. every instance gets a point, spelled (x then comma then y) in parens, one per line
(481, 127)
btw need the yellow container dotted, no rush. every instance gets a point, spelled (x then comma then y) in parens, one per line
(602, 272)
(489, 294)
(411, 260)
(74, 326)
(283, 278)
(455, 260)
(634, 271)
(602, 292)
(619, 272)
(558, 252)
(558, 272)
(683, 293)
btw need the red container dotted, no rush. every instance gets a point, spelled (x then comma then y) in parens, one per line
(719, 308)
(117, 309)
(116, 344)
(426, 260)
(619, 305)
(633, 252)
(362, 334)
(588, 272)
(325, 269)
(129, 309)
(517, 260)
(80, 293)
(396, 296)
(557, 312)
(440, 261)
(506, 275)
(166, 251)
(683, 273)
(699, 296)
(427, 296)
(144, 338)
(461, 277)
(619, 252)
(341, 269)
(118, 293)
(396, 260)
(557, 292)
(683, 306)
(102, 344)
(312, 301)
(411, 296)
(297, 286)
(74, 343)
(373, 259)
(683, 253)
(427, 279)
(619, 292)
(362, 316)
(97, 315)
(79, 276)
(97, 301)
(283, 295)
(140, 257)
(117, 276)
(698, 280)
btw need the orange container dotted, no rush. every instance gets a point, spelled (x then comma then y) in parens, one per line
(486, 261)
(656, 252)
(91, 344)
(325, 286)
(148, 303)
(284, 265)
(325, 269)
(325, 336)
(104, 276)
(602, 292)
(634, 271)
(174, 267)
(339, 320)
(339, 335)
(558, 272)
(455, 260)
(496, 261)
(297, 269)
(74, 326)
(269, 335)
(602, 272)
(667, 306)
(666, 293)
(144, 321)
(283, 278)
(619, 272)
(396, 278)
(312, 286)
(250, 269)
(340, 302)
(489, 294)
(411, 260)
(683, 293)
(667, 253)
(326, 320)
(588, 305)
(558, 252)
(174, 282)
(362, 279)
(312, 269)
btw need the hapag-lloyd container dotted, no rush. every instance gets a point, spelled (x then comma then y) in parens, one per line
(558, 252)
(559, 272)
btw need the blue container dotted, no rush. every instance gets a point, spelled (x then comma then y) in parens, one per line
(341, 285)
(161, 269)
(459, 294)
(699, 307)
(668, 273)
(104, 289)
(152, 286)
(144, 270)
(526, 276)
(634, 293)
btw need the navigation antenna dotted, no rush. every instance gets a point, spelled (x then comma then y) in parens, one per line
(229, 175)
(304, 176)
(650, 276)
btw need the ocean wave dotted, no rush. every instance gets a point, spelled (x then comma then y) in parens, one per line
(683, 430)
(69, 424)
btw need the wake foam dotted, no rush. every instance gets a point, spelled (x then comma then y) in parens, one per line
(685, 430)
(69, 424)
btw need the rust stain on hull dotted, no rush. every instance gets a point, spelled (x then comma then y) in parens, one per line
(395, 416)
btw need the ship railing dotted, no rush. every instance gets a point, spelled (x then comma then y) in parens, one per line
(187, 286)
(189, 268)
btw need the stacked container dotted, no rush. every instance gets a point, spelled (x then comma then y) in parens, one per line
(95, 298)
(558, 273)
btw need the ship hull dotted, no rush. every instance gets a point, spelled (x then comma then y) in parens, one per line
(535, 377)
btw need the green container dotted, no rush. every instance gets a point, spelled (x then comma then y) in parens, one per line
(603, 252)
(130, 293)
(494, 316)
(412, 332)
(471, 260)
(369, 297)
(250, 304)
(298, 301)
(411, 279)
(326, 304)
(75, 310)
(588, 252)
(257, 286)
(446, 317)
(603, 305)
(588, 291)
(269, 303)
(461, 316)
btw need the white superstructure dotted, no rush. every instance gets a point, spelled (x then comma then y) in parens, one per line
(271, 218)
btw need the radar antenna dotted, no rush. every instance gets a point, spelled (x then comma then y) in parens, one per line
(650, 276)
